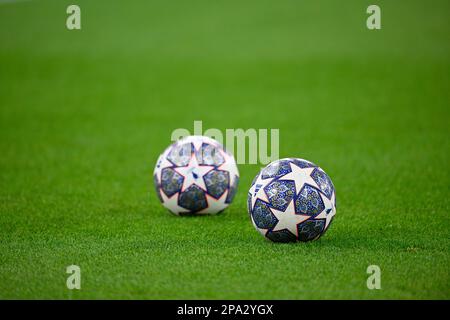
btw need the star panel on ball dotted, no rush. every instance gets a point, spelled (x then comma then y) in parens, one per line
(196, 175)
(291, 200)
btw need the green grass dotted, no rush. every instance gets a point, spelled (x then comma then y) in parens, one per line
(85, 114)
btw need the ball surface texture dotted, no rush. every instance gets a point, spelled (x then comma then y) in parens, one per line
(291, 200)
(195, 175)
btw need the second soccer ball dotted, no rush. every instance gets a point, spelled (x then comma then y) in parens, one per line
(292, 200)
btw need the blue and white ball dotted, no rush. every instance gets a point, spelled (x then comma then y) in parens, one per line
(292, 200)
(195, 175)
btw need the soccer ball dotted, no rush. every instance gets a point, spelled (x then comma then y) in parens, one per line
(291, 200)
(195, 175)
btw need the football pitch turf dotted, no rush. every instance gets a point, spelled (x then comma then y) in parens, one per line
(84, 115)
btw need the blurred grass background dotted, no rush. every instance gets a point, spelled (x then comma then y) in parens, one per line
(84, 115)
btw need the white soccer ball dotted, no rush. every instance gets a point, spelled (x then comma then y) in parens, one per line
(292, 200)
(195, 175)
